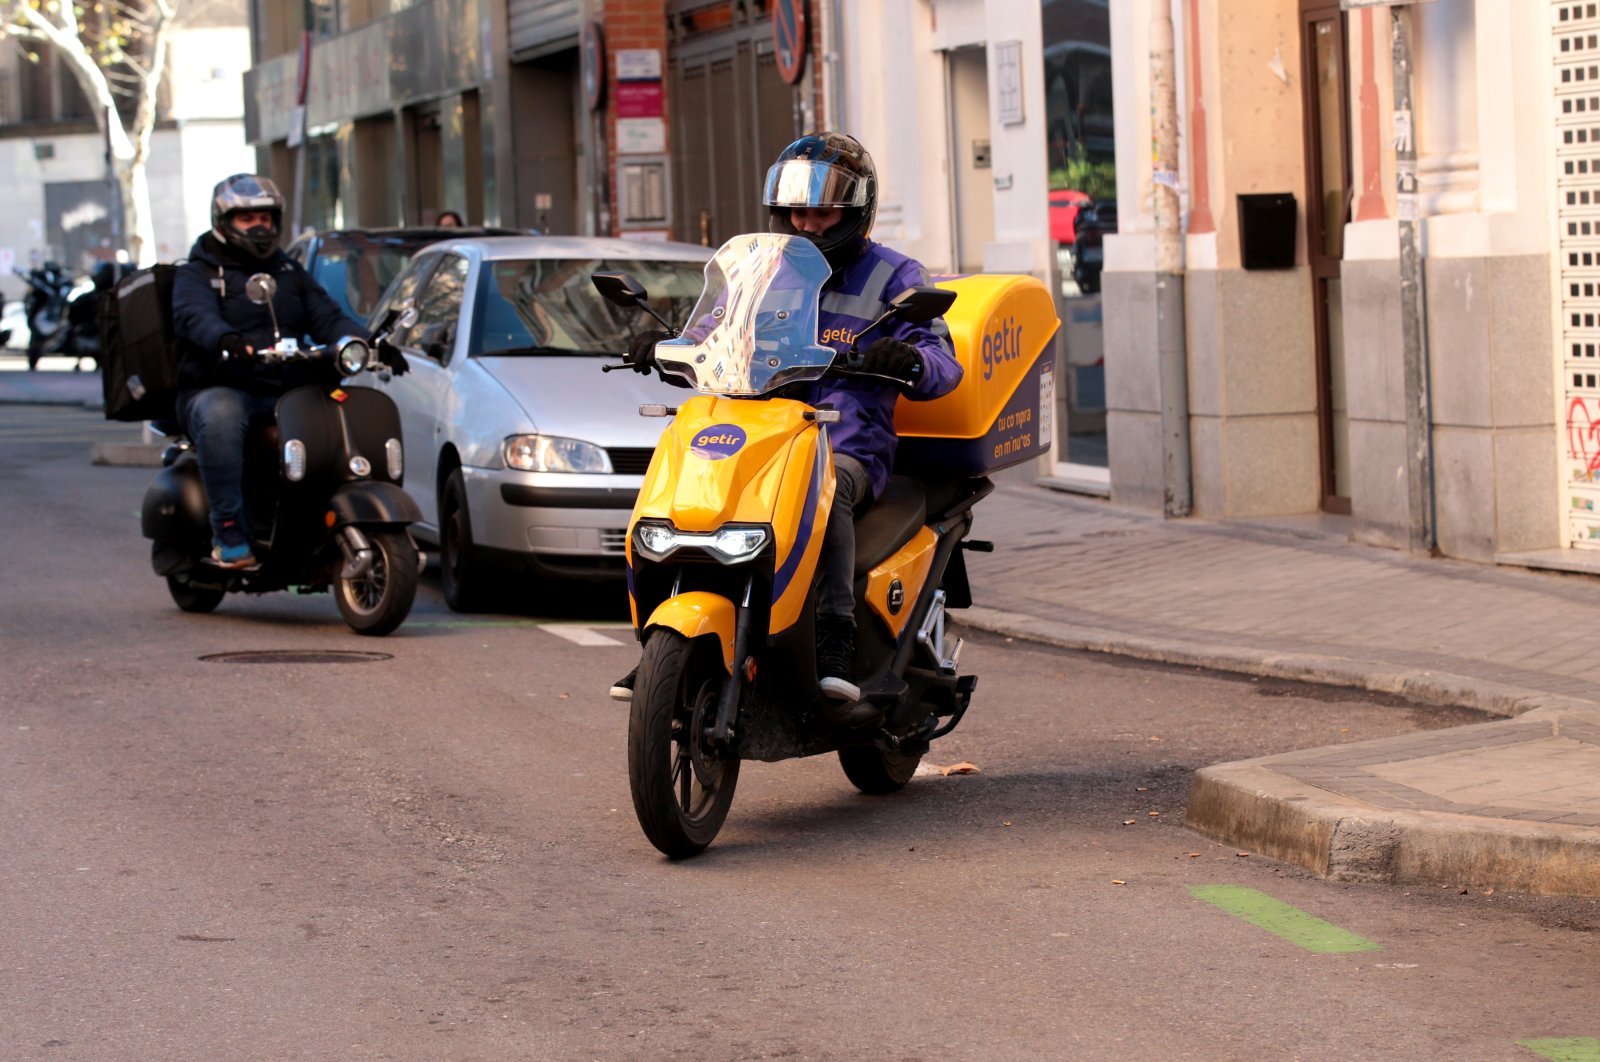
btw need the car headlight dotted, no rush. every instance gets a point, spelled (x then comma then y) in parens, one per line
(549, 453)
(730, 545)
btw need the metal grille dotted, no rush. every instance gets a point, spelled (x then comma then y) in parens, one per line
(630, 460)
(1576, 50)
(614, 540)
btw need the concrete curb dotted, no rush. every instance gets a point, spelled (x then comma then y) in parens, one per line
(1250, 805)
(126, 455)
(1427, 687)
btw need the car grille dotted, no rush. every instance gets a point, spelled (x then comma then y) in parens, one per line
(630, 460)
(614, 539)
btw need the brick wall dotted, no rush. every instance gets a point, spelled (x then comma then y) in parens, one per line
(629, 24)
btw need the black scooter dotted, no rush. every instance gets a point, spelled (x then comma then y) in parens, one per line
(45, 306)
(325, 481)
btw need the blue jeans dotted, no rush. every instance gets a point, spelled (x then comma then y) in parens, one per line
(219, 420)
(836, 564)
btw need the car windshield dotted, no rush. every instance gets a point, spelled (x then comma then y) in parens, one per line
(549, 305)
(356, 267)
(755, 326)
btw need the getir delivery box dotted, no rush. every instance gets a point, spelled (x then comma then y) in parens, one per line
(1003, 330)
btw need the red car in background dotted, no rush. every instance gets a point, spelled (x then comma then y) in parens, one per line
(1064, 204)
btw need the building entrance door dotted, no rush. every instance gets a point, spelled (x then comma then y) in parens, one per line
(1328, 196)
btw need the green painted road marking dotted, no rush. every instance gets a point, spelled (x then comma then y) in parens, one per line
(1275, 916)
(1565, 1049)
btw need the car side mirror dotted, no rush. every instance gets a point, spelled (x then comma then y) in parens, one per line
(921, 304)
(620, 288)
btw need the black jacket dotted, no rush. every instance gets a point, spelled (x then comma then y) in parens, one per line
(201, 317)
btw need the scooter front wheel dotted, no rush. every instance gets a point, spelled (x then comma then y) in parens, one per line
(682, 787)
(378, 600)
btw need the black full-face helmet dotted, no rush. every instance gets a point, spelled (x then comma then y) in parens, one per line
(825, 170)
(247, 193)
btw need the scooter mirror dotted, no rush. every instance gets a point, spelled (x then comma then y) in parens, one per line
(260, 288)
(921, 304)
(620, 288)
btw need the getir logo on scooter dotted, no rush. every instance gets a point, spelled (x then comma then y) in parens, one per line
(1001, 345)
(717, 441)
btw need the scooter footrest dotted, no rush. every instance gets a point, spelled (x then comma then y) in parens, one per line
(888, 690)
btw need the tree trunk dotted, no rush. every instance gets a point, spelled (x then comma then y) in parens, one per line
(138, 225)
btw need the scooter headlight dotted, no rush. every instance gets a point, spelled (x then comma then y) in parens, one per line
(351, 353)
(730, 545)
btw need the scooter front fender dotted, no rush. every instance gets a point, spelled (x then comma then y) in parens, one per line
(373, 502)
(698, 613)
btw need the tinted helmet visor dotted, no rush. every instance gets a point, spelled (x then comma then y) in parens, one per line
(812, 183)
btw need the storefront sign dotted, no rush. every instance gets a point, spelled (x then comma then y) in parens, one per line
(641, 136)
(1008, 81)
(640, 99)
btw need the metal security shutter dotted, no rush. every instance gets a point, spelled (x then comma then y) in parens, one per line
(535, 23)
(1576, 48)
(731, 115)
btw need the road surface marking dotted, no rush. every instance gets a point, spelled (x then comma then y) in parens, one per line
(580, 635)
(1275, 916)
(577, 635)
(1568, 1049)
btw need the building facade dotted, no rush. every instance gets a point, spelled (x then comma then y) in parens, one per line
(62, 202)
(1297, 380)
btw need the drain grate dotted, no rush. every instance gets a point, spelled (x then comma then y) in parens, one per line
(296, 656)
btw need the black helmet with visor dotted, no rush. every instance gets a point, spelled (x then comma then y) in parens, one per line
(247, 193)
(825, 170)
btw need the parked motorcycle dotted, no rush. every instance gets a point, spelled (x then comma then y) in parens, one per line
(45, 306)
(724, 538)
(325, 483)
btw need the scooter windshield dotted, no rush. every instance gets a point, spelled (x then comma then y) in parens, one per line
(754, 327)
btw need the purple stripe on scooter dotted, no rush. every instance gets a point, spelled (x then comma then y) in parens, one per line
(808, 522)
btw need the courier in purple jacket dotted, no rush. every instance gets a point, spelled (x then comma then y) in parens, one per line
(824, 187)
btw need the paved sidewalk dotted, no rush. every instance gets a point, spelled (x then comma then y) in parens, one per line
(53, 384)
(1513, 804)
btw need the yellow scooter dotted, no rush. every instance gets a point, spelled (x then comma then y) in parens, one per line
(724, 538)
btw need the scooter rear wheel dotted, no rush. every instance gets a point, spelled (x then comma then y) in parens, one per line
(193, 598)
(682, 787)
(379, 601)
(876, 772)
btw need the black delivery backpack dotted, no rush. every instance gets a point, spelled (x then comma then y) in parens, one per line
(138, 350)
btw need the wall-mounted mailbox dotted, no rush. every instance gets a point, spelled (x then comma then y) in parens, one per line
(1268, 226)
(981, 158)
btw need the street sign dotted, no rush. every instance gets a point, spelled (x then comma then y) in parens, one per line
(789, 35)
(592, 61)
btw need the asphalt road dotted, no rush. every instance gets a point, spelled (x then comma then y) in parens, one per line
(431, 854)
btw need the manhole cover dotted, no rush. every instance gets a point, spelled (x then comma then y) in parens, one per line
(296, 656)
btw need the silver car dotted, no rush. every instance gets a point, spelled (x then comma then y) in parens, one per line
(520, 452)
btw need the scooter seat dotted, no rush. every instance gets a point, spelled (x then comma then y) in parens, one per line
(895, 516)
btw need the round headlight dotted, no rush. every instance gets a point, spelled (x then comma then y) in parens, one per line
(351, 353)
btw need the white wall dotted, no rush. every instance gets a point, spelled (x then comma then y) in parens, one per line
(895, 104)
